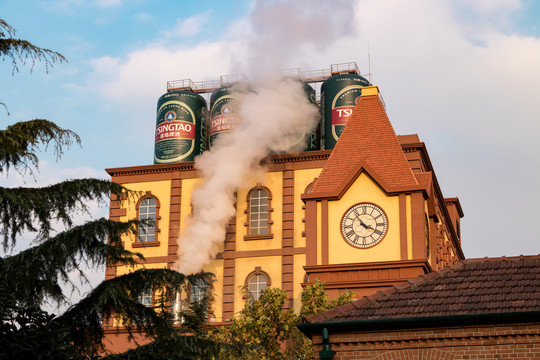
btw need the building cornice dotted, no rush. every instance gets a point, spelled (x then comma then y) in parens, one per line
(188, 166)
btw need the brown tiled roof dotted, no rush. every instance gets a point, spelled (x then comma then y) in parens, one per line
(470, 287)
(369, 138)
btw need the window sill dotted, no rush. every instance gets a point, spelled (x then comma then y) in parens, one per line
(258, 237)
(145, 244)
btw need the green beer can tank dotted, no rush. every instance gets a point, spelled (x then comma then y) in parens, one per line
(339, 95)
(223, 113)
(180, 127)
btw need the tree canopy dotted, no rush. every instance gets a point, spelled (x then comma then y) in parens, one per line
(59, 247)
(269, 330)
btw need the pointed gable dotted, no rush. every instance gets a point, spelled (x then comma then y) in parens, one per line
(368, 143)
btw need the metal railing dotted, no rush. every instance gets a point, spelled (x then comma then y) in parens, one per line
(313, 76)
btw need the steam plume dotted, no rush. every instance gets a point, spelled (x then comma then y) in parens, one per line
(273, 118)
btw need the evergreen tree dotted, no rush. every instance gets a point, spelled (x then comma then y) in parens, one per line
(35, 275)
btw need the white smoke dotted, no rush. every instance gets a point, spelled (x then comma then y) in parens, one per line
(276, 116)
(280, 33)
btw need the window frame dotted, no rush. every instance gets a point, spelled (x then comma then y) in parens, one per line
(147, 293)
(247, 224)
(137, 243)
(307, 190)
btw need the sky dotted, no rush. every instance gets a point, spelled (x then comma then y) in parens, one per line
(463, 75)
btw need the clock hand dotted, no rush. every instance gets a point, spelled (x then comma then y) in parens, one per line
(365, 225)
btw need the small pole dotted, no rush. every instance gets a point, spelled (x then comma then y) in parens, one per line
(326, 353)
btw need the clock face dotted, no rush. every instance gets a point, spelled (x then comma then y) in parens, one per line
(364, 225)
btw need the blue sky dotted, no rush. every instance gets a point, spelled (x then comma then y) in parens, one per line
(464, 75)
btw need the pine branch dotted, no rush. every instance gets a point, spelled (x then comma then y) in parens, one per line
(21, 51)
(47, 265)
(19, 142)
(5, 107)
(117, 299)
(35, 209)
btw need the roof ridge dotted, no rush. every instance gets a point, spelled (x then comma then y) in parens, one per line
(504, 258)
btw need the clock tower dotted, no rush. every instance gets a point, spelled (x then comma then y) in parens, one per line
(375, 216)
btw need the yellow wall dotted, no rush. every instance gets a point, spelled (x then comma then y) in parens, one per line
(302, 178)
(408, 208)
(299, 274)
(364, 189)
(216, 268)
(188, 185)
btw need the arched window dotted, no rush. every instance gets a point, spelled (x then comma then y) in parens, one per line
(256, 282)
(148, 212)
(258, 213)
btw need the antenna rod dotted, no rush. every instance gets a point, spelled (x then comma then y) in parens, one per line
(369, 63)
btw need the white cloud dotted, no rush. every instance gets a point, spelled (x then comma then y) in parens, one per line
(143, 75)
(71, 5)
(188, 27)
(108, 3)
(144, 17)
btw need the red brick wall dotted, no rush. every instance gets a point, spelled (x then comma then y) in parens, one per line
(509, 341)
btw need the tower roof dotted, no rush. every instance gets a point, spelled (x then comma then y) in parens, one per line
(368, 143)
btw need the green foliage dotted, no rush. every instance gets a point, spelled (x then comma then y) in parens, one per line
(263, 325)
(35, 209)
(21, 51)
(315, 299)
(30, 333)
(270, 331)
(47, 264)
(20, 142)
(117, 299)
